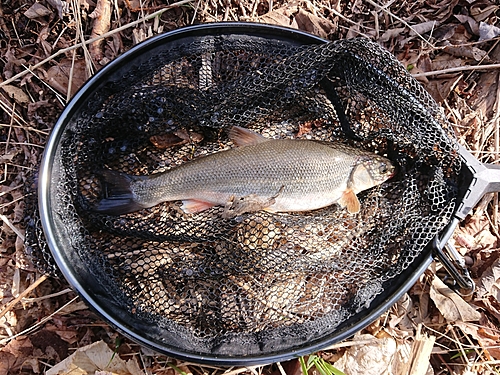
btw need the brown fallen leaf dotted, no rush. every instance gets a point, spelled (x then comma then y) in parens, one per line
(94, 358)
(282, 16)
(313, 24)
(11, 61)
(450, 304)
(17, 94)
(471, 22)
(490, 282)
(102, 22)
(58, 5)
(423, 28)
(391, 34)
(480, 12)
(469, 52)
(487, 339)
(48, 341)
(441, 88)
(37, 10)
(376, 356)
(21, 349)
(58, 75)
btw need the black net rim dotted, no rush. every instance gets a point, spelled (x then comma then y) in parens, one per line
(73, 269)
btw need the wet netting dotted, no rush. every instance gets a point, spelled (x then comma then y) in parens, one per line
(260, 281)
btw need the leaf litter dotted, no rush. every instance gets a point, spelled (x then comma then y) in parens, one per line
(451, 46)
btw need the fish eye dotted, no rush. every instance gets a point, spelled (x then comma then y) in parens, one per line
(382, 168)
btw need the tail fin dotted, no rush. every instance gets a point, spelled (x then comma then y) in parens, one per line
(118, 195)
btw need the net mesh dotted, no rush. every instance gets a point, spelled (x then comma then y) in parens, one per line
(260, 281)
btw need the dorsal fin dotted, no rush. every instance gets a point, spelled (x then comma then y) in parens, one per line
(244, 137)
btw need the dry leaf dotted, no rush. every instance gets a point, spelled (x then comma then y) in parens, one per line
(48, 341)
(487, 338)
(58, 5)
(487, 31)
(490, 282)
(391, 33)
(441, 88)
(373, 358)
(102, 22)
(58, 75)
(7, 361)
(451, 305)
(21, 349)
(37, 10)
(16, 93)
(473, 24)
(467, 51)
(282, 16)
(480, 12)
(94, 358)
(444, 32)
(313, 24)
(423, 28)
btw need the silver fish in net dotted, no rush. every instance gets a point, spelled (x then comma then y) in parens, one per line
(278, 175)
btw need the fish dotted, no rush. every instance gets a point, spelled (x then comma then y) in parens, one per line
(259, 173)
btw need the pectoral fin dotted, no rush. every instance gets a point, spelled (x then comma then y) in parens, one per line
(192, 206)
(249, 203)
(350, 201)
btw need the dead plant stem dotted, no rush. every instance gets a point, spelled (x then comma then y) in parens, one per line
(40, 323)
(457, 69)
(28, 290)
(383, 9)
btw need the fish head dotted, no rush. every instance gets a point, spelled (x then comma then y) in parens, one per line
(370, 171)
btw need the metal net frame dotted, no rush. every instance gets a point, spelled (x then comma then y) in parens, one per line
(259, 282)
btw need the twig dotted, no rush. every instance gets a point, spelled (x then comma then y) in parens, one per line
(457, 69)
(28, 290)
(420, 353)
(41, 322)
(240, 370)
(496, 120)
(47, 296)
(117, 30)
(348, 344)
(280, 367)
(6, 220)
(58, 96)
(10, 127)
(382, 8)
(348, 20)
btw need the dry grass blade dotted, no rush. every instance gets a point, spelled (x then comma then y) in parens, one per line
(27, 291)
(40, 323)
(457, 70)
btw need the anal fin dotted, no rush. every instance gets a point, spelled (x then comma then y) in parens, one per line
(350, 201)
(192, 206)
